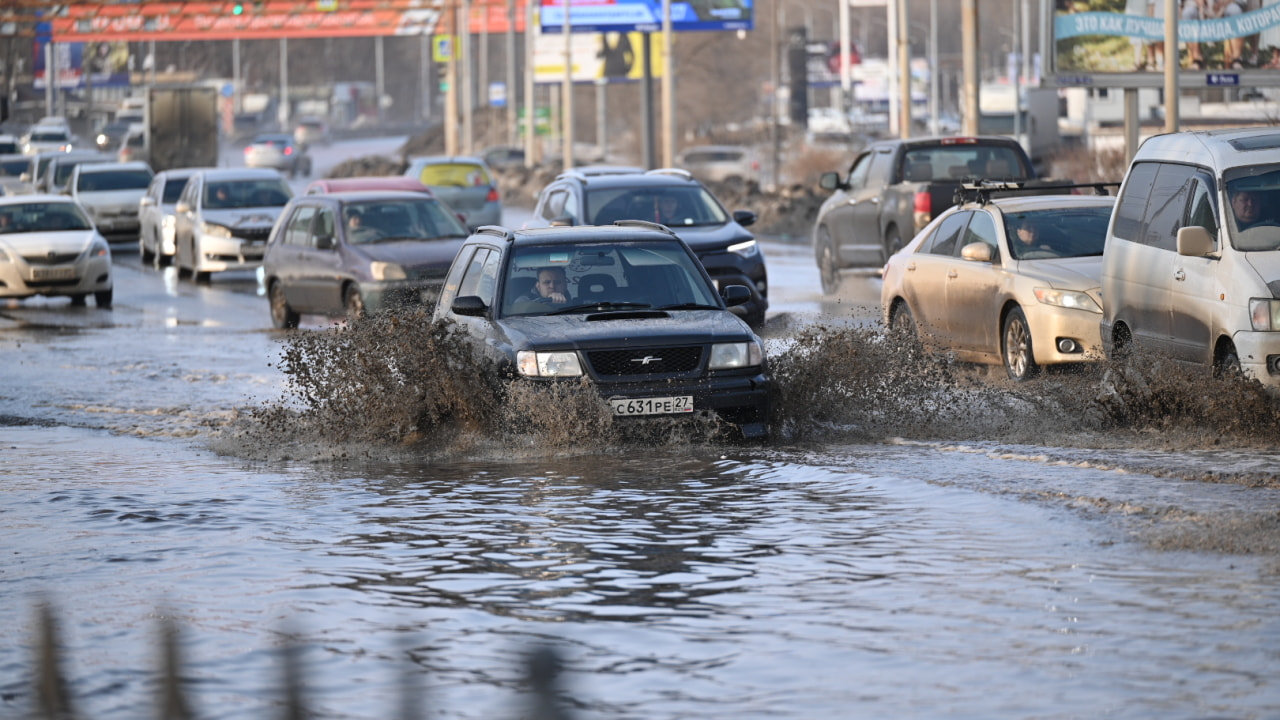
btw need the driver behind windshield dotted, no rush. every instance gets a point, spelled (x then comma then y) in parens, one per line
(552, 287)
(1248, 210)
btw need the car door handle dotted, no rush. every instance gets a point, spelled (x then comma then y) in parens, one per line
(952, 274)
(1180, 276)
(911, 267)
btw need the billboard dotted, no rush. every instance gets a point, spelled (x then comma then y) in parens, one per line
(609, 57)
(598, 16)
(1120, 43)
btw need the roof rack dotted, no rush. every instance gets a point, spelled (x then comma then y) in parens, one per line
(979, 191)
(497, 231)
(678, 172)
(646, 224)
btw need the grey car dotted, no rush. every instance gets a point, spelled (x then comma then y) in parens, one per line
(348, 253)
(465, 184)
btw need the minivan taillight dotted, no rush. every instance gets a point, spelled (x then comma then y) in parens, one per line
(492, 196)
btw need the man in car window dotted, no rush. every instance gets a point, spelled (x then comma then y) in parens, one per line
(552, 287)
(1026, 238)
(1247, 206)
(668, 210)
(357, 231)
(6, 223)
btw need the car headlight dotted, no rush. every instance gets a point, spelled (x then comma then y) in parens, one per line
(386, 271)
(1067, 299)
(4, 256)
(99, 248)
(725, 356)
(1265, 313)
(548, 364)
(169, 222)
(215, 230)
(102, 139)
(745, 249)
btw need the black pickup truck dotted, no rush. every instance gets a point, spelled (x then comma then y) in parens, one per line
(894, 188)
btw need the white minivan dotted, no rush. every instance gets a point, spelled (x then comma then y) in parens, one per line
(1191, 268)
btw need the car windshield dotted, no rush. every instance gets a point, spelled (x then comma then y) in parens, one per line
(272, 140)
(956, 162)
(1251, 195)
(1057, 233)
(599, 276)
(454, 175)
(387, 220)
(42, 217)
(14, 167)
(48, 136)
(674, 206)
(131, 179)
(62, 171)
(231, 194)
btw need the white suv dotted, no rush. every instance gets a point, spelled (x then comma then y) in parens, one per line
(1191, 268)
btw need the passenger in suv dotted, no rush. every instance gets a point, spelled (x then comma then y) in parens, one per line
(642, 322)
(674, 198)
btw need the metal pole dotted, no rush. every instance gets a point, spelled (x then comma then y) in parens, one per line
(904, 62)
(379, 74)
(467, 80)
(1171, 98)
(566, 110)
(235, 73)
(846, 77)
(482, 58)
(1132, 122)
(891, 35)
(969, 43)
(284, 83)
(668, 90)
(935, 90)
(50, 77)
(451, 91)
(530, 107)
(646, 102)
(511, 72)
(424, 77)
(1017, 84)
(776, 72)
(602, 117)
(152, 73)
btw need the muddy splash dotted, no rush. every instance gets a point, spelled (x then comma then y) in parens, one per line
(400, 380)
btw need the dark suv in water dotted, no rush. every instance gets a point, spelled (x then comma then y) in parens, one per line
(627, 306)
(672, 197)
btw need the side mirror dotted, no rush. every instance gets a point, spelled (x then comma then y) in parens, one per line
(735, 294)
(977, 252)
(469, 305)
(562, 221)
(829, 181)
(744, 217)
(325, 242)
(182, 207)
(147, 201)
(1195, 241)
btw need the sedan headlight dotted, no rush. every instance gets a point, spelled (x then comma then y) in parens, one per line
(1265, 314)
(548, 364)
(99, 248)
(386, 271)
(1067, 299)
(215, 230)
(725, 356)
(4, 256)
(745, 249)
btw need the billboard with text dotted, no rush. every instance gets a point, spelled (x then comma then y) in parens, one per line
(645, 15)
(1120, 43)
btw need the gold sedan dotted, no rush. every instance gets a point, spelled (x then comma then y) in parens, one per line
(1012, 281)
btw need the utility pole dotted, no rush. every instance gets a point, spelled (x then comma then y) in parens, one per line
(511, 72)
(969, 43)
(467, 81)
(668, 90)
(1171, 94)
(566, 107)
(530, 107)
(904, 71)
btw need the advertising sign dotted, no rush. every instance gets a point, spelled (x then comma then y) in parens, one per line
(1120, 43)
(646, 15)
(610, 56)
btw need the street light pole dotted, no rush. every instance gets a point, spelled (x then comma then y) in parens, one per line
(566, 113)
(668, 90)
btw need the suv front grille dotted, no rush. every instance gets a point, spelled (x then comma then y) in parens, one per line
(645, 361)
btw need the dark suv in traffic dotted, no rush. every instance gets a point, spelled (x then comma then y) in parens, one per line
(626, 306)
(671, 197)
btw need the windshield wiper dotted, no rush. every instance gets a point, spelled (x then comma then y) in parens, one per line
(689, 306)
(604, 305)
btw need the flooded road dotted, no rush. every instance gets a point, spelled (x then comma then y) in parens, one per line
(1012, 553)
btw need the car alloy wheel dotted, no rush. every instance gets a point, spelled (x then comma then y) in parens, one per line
(827, 269)
(1019, 361)
(283, 317)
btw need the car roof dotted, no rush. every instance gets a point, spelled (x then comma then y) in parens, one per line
(86, 169)
(178, 173)
(369, 195)
(1228, 147)
(447, 159)
(650, 178)
(370, 182)
(1034, 203)
(41, 197)
(239, 174)
(624, 230)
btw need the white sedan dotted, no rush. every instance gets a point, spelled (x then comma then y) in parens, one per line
(48, 246)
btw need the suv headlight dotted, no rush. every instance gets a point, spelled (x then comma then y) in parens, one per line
(745, 249)
(725, 356)
(215, 230)
(548, 364)
(386, 271)
(1265, 314)
(1067, 299)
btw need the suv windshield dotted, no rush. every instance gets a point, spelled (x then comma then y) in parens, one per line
(232, 194)
(673, 206)
(601, 276)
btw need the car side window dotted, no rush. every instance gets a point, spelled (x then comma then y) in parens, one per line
(323, 225)
(1203, 210)
(948, 233)
(981, 229)
(858, 174)
(881, 170)
(555, 205)
(1131, 207)
(1167, 209)
(470, 284)
(190, 192)
(299, 229)
(451, 282)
